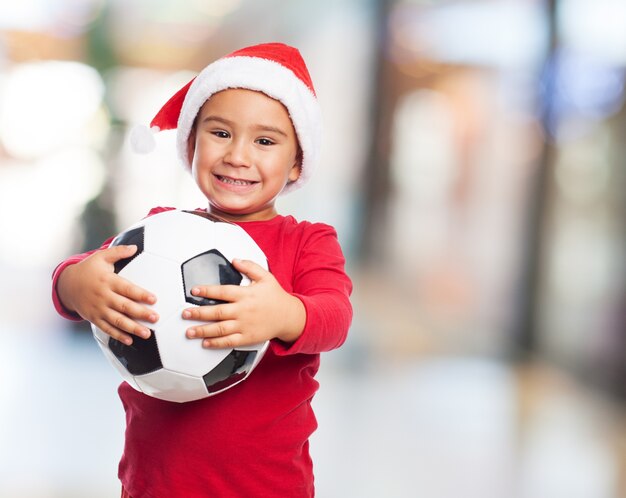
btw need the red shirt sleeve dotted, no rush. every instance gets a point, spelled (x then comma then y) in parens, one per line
(72, 260)
(321, 283)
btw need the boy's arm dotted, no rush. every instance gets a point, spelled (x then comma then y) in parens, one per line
(312, 319)
(59, 304)
(84, 286)
(324, 288)
(56, 274)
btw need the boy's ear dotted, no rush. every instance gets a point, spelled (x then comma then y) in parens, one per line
(294, 173)
(191, 144)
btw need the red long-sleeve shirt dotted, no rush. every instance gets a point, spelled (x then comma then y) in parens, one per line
(251, 440)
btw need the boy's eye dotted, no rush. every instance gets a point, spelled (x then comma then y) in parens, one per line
(265, 141)
(221, 134)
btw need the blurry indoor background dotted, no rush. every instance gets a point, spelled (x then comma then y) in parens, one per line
(474, 167)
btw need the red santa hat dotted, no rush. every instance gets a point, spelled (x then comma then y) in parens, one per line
(275, 69)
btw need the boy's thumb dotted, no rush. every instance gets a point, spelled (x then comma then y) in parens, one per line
(120, 252)
(249, 268)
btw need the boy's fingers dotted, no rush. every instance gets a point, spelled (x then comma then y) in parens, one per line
(135, 293)
(215, 313)
(124, 325)
(136, 311)
(116, 334)
(230, 341)
(251, 269)
(218, 292)
(115, 253)
(214, 330)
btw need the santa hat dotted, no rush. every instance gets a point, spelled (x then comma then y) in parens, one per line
(275, 69)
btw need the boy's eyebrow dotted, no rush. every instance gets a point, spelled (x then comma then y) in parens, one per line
(260, 127)
(272, 129)
(218, 119)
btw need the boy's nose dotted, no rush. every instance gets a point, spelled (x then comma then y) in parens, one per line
(237, 154)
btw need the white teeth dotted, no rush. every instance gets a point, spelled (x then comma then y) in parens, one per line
(234, 182)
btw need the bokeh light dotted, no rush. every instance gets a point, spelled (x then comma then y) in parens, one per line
(473, 168)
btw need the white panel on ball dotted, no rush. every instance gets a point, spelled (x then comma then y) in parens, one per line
(180, 354)
(238, 246)
(103, 339)
(169, 239)
(141, 271)
(172, 386)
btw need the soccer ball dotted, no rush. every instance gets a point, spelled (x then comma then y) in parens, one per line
(175, 251)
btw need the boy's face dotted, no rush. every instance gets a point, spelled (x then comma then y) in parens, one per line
(243, 150)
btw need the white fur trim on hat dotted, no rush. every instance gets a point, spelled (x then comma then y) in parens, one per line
(274, 80)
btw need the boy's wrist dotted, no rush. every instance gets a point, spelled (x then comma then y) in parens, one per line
(62, 286)
(294, 321)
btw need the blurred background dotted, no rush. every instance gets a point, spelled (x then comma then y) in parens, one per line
(474, 168)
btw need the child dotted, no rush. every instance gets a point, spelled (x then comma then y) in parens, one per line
(248, 127)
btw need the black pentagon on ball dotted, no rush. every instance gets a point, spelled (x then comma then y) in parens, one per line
(208, 268)
(141, 357)
(134, 236)
(230, 370)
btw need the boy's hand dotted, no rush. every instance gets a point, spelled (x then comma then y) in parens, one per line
(252, 314)
(92, 289)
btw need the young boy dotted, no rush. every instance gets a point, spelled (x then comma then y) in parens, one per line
(248, 127)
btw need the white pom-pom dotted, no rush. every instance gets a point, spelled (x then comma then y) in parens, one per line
(142, 139)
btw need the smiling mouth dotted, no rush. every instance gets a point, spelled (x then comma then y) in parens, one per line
(234, 181)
